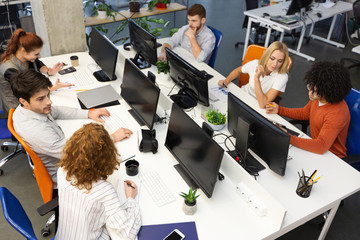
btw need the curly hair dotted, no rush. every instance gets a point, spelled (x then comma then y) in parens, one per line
(89, 155)
(330, 80)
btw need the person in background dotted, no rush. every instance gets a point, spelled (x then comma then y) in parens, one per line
(195, 37)
(35, 118)
(86, 200)
(22, 53)
(329, 116)
(267, 76)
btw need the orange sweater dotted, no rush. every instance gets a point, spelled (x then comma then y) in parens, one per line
(329, 125)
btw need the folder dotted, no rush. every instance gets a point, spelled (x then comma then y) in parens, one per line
(159, 231)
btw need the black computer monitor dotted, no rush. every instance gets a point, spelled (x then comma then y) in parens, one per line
(144, 43)
(296, 6)
(266, 139)
(199, 156)
(141, 94)
(105, 53)
(192, 82)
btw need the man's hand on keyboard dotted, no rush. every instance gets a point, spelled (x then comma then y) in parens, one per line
(121, 134)
(96, 113)
(59, 84)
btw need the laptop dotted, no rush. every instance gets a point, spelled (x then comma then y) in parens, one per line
(285, 19)
(98, 97)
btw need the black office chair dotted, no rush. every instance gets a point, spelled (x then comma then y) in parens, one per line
(259, 31)
(356, 10)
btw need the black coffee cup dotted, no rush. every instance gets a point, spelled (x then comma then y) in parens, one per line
(132, 167)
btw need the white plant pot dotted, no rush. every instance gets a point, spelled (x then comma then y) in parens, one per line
(162, 77)
(189, 210)
(216, 127)
(102, 14)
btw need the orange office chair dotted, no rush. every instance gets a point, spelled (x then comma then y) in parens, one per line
(253, 52)
(42, 176)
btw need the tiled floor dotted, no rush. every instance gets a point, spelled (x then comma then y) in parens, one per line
(226, 16)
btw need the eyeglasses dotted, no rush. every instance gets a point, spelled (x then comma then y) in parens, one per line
(313, 91)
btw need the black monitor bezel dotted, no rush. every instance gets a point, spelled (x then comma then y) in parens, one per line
(273, 151)
(296, 5)
(137, 34)
(99, 59)
(211, 142)
(151, 83)
(197, 86)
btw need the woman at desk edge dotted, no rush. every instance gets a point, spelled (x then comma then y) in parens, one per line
(22, 53)
(267, 76)
(86, 200)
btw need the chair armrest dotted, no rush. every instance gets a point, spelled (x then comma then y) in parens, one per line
(48, 207)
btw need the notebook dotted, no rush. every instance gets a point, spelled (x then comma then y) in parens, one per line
(98, 97)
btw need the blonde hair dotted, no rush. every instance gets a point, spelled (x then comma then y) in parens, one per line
(89, 155)
(276, 46)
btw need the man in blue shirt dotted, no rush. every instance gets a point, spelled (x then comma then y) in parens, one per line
(195, 37)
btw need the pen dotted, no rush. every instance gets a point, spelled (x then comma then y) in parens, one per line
(311, 177)
(80, 90)
(129, 184)
(271, 105)
(224, 85)
(127, 159)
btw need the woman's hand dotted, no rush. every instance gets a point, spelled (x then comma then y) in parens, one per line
(222, 83)
(130, 189)
(55, 69)
(259, 71)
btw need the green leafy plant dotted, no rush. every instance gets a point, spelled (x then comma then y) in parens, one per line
(103, 6)
(163, 66)
(190, 197)
(153, 3)
(215, 117)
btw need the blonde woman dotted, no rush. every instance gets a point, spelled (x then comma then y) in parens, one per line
(267, 76)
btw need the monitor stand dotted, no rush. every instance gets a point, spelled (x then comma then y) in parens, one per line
(183, 99)
(251, 164)
(140, 62)
(102, 77)
(190, 182)
(136, 116)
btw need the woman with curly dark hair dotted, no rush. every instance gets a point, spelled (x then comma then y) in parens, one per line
(86, 200)
(328, 84)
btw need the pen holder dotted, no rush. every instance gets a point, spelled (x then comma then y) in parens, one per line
(303, 189)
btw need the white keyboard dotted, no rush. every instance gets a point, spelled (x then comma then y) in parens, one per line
(155, 186)
(114, 122)
(82, 78)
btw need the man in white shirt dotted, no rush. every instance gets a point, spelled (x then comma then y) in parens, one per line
(34, 119)
(195, 37)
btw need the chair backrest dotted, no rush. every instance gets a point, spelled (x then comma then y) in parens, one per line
(250, 4)
(353, 142)
(15, 214)
(4, 131)
(254, 52)
(42, 176)
(218, 37)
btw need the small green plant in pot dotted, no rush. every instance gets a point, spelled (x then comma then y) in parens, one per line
(163, 66)
(215, 119)
(189, 205)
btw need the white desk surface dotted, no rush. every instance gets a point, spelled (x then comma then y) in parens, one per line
(281, 8)
(225, 215)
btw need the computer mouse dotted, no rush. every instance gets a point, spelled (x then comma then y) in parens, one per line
(266, 14)
(319, 15)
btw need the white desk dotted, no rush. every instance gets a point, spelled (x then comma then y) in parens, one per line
(226, 215)
(256, 15)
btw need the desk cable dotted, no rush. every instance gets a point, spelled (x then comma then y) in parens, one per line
(242, 162)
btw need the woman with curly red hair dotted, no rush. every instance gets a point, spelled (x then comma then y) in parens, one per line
(86, 200)
(22, 53)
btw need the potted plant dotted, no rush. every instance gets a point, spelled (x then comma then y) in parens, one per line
(163, 66)
(189, 205)
(100, 9)
(160, 4)
(134, 6)
(215, 119)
